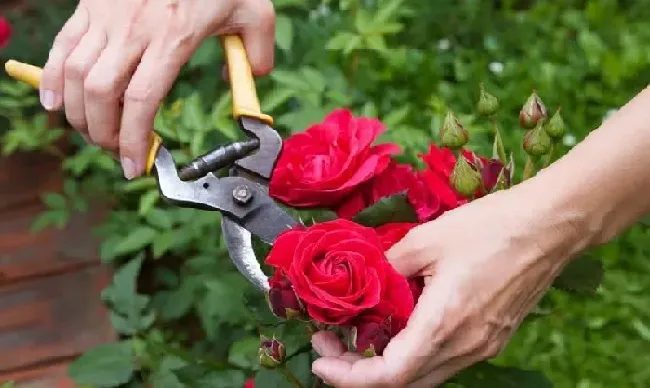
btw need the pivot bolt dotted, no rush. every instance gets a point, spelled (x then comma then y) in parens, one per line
(242, 194)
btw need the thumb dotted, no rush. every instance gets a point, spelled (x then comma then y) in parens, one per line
(417, 249)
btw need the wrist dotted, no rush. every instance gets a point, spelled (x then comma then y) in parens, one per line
(556, 217)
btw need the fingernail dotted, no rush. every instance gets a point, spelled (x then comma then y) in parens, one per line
(48, 99)
(129, 168)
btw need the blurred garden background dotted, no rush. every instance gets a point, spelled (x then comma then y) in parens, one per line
(175, 298)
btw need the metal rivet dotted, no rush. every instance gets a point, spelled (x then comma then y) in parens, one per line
(242, 194)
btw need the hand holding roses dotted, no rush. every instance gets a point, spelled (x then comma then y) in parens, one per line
(481, 281)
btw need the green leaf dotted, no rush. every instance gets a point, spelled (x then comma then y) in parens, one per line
(159, 219)
(222, 379)
(163, 243)
(275, 98)
(106, 366)
(299, 365)
(223, 303)
(283, 32)
(130, 314)
(244, 353)
(205, 55)
(340, 41)
(174, 304)
(8, 384)
(584, 274)
(148, 201)
(54, 200)
(394, 208)
(140, 184)
(164, 375)
(136, 240)
(485, 375)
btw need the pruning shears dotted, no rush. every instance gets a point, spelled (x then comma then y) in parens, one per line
(241, 197)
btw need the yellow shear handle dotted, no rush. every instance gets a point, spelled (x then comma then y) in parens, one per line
(244, 93)
(31, 75)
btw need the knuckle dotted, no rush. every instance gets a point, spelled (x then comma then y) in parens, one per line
(77, 122)
(98, 88)
(139, 94)
(64, 39)
(74, 69)
(102, 140)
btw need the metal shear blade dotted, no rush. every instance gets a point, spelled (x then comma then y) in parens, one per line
(242, 199)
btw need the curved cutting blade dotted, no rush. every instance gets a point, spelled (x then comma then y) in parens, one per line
(240, 246)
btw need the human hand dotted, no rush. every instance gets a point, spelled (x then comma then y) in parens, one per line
(114, 50)
(486, 265)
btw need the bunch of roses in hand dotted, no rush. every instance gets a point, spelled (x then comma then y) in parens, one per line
(334, 274)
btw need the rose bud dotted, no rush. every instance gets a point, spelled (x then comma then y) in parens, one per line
(465, 178)
(370, 337)
(487, 103)
(495, 176)
(283, 299)
(537, 142)
(452, 134)
(272, 352)
(532, 112)
(555, 127)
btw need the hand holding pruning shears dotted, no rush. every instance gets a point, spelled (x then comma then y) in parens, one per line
(113, 62)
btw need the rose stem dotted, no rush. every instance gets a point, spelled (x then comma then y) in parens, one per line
(549, 156)
(312, 328)
(529, 169)
(290, 377)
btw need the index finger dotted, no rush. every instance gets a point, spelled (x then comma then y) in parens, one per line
(152, 80)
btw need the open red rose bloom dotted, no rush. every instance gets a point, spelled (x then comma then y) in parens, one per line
(336, 273)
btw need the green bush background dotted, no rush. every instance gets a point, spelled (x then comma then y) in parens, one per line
(404, 62)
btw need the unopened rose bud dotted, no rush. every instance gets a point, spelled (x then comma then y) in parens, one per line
(452, 134)
(465, 178)
(272, 352)
(370, 338)
(487, 103)
(537, 142)
(532, 112)
(283, 299)
(555, 127)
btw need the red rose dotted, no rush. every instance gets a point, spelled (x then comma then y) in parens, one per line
(249, 383)
(321, 165)
(390, 234)
(339, 271)
(396, 178)
(282, 298)
(5, 32)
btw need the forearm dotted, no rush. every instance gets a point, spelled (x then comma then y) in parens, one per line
(601, 186)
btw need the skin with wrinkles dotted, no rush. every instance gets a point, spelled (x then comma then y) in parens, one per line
(114, 61)
(488, 263)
